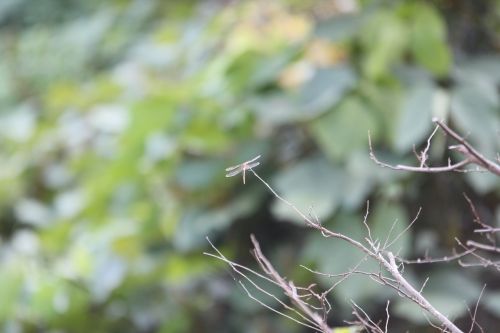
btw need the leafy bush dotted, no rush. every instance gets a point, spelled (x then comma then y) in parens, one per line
(118, 119)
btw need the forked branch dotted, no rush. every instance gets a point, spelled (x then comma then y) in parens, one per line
(373, 249)
(471, 156)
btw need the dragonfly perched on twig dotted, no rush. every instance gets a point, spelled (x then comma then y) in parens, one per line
(243, 167)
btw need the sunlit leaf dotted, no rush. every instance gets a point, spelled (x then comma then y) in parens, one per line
(428, 39)
(384, 38)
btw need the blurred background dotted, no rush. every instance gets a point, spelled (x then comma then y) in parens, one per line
(118, 118)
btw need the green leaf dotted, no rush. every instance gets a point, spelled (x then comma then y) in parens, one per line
(251, 69)
(180, 269)
(345, 129)
(348, 329)
(383, 40)
(415, 117)
(475, 111)
(313, 183)
(325, 90)
(198, 174)
(197, 223)
(483, 182)
(428, 39)
(340, 27)
(492, 302)
(361, 177)
(275, 108)
(485, 67)
(10, 288)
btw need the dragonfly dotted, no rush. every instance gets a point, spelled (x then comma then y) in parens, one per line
(243, 167)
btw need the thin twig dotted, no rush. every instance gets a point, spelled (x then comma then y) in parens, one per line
(365, 320)
(484, 247)
(475, 311)
(235, 266)
(424, 155)
(465, 148)
(405, 229)
(401, 167)
(477, 219)
(287, 287)
(428, 260)
(387, 316)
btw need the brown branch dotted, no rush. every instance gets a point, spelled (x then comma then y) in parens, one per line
(364, 319)
(386, 259)
(477, 219)
(236, 268)
(473, 317)
(484, 247)
(472, 156)
(419, 298)
(289, 289)
(422, 168)
(482, 261)
(468, 151)
(428, 260)
(487, 230)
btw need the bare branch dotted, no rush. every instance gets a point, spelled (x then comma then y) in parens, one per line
(288, 288)
(468, 151)
(425, 169)
(482, 261)
(428, 260)
(424, 155)
(471, 156)
(386, 260)
(474, 323)
(364, 319)
(477, 219)
(387, 316)
(370, 239)
(388, 263)
(307, 322)
(405, 229)
(418, 298)
(484, 247)
(487, 230)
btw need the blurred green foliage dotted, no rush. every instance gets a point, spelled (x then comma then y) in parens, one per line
(118, 118)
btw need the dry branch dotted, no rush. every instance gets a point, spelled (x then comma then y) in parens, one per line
(471, 156)
(382, 255)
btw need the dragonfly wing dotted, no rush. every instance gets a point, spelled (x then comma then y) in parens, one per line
(252, 165)
(233, 172)
(233, 167)
(253, 159)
